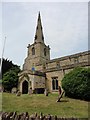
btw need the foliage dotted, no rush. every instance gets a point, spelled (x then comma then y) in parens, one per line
(10, 78)
(76, 83)
(6, 65)
(9, 74)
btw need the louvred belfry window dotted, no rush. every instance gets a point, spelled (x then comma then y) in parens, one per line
(35, 37)
(33, 51)
(45, 51)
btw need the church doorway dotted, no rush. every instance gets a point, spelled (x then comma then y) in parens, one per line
(25, 87)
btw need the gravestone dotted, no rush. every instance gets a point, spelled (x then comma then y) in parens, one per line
(46, 92)
(14, 90)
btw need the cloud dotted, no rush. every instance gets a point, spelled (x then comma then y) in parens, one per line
(65, 27)
(69, 31)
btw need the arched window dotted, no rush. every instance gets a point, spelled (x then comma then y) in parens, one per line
(54, 83)
(45, 51)
(33, 51)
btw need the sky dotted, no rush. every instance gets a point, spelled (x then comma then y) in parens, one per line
(65, 28)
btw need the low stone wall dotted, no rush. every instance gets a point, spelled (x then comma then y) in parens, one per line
(26, 116)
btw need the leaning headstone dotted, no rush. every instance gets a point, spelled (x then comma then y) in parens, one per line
(18, 93)
(60, 97)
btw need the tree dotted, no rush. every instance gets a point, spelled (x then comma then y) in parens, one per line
(10, 78)
(6, 65)
(76, 83)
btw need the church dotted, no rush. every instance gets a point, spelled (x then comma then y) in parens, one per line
(40, 72)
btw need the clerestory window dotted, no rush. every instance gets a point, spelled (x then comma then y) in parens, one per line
(76, 60)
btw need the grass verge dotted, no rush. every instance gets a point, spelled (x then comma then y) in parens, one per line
(46, 104)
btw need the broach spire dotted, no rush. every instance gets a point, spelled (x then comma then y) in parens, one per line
(39, 32)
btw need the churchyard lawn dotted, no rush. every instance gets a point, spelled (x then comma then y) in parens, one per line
(46, 104)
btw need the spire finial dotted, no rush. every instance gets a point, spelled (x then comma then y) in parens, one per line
(39, 12)
(39, 16)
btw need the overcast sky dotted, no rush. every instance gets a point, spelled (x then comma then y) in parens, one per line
(65, 27)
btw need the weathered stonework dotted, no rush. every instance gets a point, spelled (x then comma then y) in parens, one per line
(39, 72)
(34, 80)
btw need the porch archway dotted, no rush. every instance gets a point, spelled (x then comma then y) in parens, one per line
(25, 87)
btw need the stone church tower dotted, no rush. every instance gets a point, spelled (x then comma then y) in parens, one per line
(38, 52)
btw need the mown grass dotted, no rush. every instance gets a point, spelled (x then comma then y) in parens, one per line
(0, 101)
(47, 105)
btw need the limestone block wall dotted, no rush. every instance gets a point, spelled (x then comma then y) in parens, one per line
(39, 82)
(32, 63)
(39, 67)
(66, 62)
(69, 60)
(50, 75)
(26, 65)
(45, 49)
(51, 65)
(83, 58)
(67, 71)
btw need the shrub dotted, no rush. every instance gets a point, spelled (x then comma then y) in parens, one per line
(76, 83)
(10, 79)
